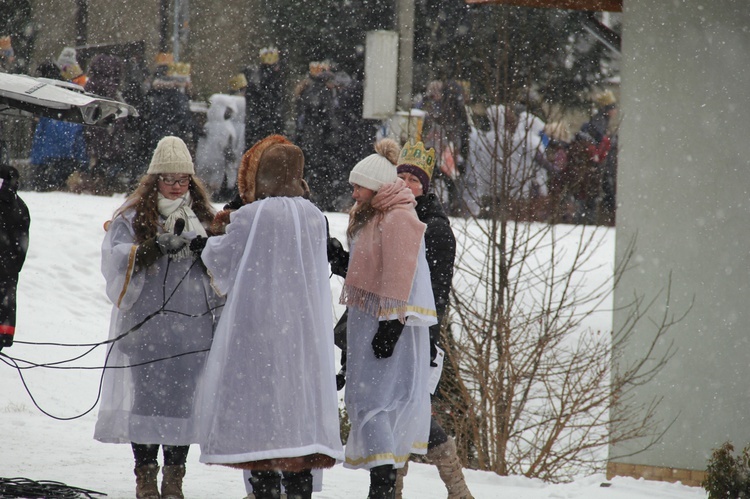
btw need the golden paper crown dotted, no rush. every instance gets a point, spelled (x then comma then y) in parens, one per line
(180, 69)
(416, 155)
(269, 55)
(237, 82)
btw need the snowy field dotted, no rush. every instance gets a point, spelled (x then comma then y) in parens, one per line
(61, 300)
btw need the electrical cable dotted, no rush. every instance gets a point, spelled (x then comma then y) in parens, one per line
(44, 489)
(14, 362)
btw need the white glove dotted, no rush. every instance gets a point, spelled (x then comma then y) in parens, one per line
(169, 244)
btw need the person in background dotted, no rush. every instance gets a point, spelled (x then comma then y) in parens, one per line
(58, 148)
(390, 308)
(70, 70)
(168, 101)
(316, 133)
(216, 154)
(7, 55)
(265, 97)
(14, 243)
(415, 167)
(105, 145)
(162, 320)
(268, 400)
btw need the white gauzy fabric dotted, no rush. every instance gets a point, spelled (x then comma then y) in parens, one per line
(152, 402)
(388, 400)
(269, 389)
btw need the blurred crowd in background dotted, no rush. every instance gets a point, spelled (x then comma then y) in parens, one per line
(512, 157)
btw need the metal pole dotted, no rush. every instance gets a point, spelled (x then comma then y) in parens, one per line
(176, 32)
(163, 25)
(405, 28)
(82, 22)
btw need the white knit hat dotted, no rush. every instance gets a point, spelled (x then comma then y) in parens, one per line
(171, 156)
(373, 172)
(67, 57)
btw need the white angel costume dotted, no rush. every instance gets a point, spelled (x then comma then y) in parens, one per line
(269, 391)
(162, 321)
(388, 400)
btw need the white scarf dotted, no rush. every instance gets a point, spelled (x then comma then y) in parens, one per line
(174, 209)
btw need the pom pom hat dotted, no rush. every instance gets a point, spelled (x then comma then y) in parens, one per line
(171, 156)
(419, 162)
(377, 169)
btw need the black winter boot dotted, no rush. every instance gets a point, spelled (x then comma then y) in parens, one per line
(266, 484)
(298, 485)
(382, 482)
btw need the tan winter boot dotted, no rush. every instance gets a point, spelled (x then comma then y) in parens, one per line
(400, 474)
(445, 457)
(171, 482)
(145, 482)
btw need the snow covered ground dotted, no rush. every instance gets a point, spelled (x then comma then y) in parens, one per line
(61, 300)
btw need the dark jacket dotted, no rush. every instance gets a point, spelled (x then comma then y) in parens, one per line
(440, 245)
(14, 241)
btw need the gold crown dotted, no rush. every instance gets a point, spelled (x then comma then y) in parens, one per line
(180, 69)
(237, 82)
(416, 155)
(269, 55)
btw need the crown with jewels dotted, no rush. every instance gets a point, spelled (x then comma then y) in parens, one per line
(416, 155)
(269, 55)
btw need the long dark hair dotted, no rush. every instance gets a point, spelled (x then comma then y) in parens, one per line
(145, 201)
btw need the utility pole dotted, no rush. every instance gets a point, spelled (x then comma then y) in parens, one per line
(164, 26)
(82, 22)
(405, 28)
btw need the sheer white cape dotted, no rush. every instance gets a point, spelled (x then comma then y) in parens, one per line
(269, 390)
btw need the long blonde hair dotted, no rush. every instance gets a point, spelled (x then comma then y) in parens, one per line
(145, 201)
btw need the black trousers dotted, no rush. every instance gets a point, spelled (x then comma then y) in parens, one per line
(147, 454)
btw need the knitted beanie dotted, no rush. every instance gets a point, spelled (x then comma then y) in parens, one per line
(67, 57)
(378, 169)
(171, 156)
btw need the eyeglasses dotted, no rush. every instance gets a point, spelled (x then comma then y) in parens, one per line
(183, 181)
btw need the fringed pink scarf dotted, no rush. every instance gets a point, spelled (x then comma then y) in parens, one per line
(384, 259)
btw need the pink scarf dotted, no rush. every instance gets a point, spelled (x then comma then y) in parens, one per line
(383, 262)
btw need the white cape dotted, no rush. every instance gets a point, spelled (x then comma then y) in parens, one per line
(269, 389)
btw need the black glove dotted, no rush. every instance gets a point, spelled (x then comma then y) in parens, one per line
(341, 378)
(197, 245)
(338, 257)
(6, 340)
(434, 340)
(385, 339)
(147, 253)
